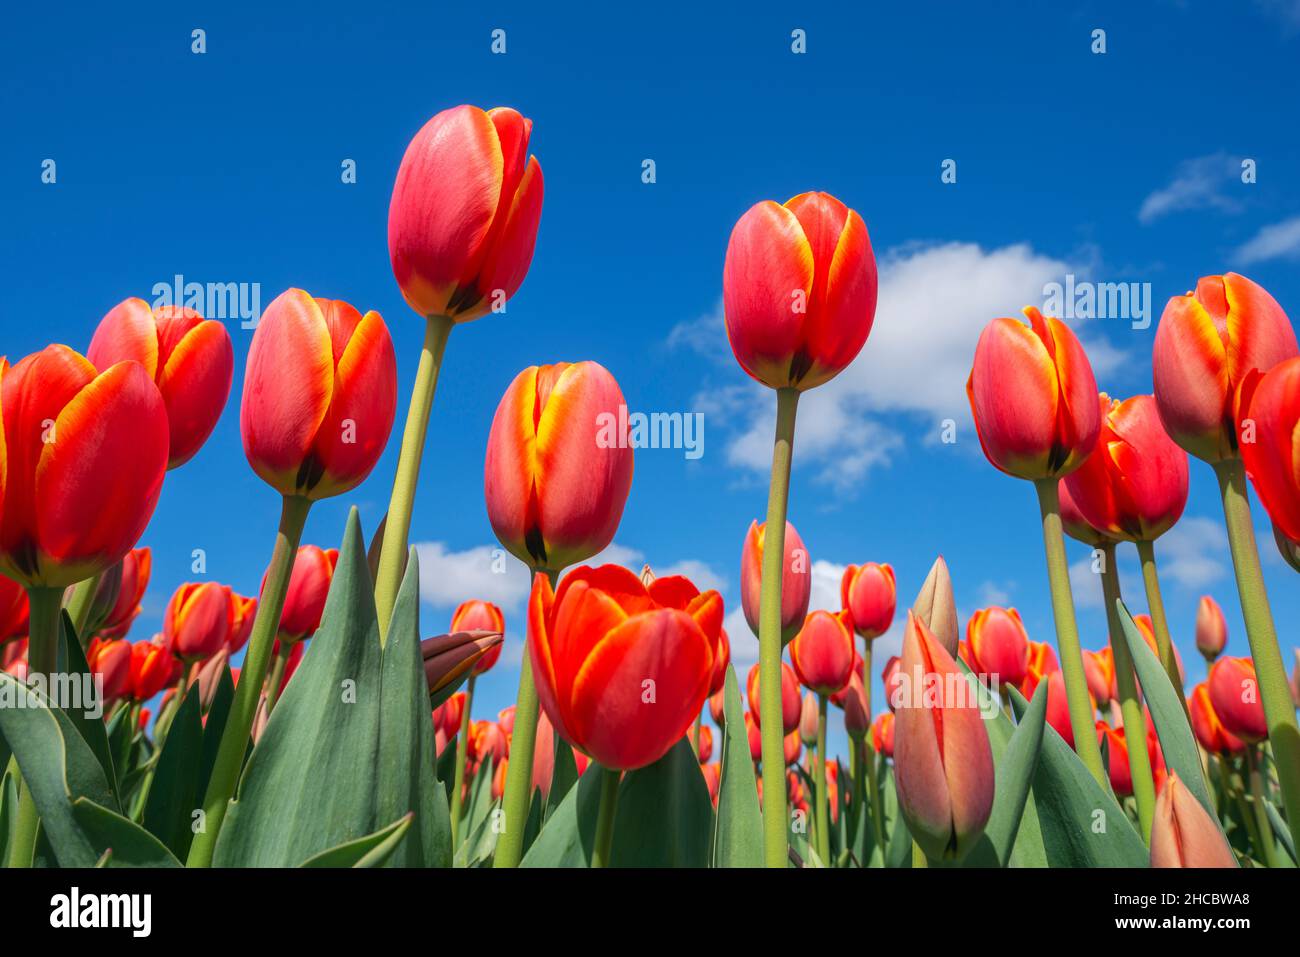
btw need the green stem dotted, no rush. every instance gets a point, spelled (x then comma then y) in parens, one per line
(1159, 623)
(392, 555)
(1270, 672)
(1139, 761)
(819, 777)
(775, 827)
(609, 781)
(519, 772)
(79, 605)
(279, 665)
(234, 738)
(1267, 844)
(1067, 633)
(462, 749)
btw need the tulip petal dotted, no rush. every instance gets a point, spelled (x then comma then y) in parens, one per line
(127, 331)
(195, 383)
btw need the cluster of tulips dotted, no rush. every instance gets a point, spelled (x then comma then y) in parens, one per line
(991, 750)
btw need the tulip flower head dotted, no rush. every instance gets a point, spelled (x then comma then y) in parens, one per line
(822, 652)
(1115, 749)
(1270, 445)
(152, 668)
(309, 586)
(705, 744)
(937, 608)
(320, 392)
(110, 661)
(882, 734)
(857, 719)
(1211, 628)
(198, 620)
(808, 718)
(791, 708)
(1099, 669)
(464, 214)
(1073, 522)
(242, 612)
(133, 581)
(1207, 727)
(796, 584)
(868, 594)
(999, 644)
(189, 358)
(1182, 832)
(1234, 694)
(475, 615)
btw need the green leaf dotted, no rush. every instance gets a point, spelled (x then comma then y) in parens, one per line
(738, 837)
(1082, 826)
(1280, 830)
(476, 813)
(174, 794)
(406, 777)
(8, 808)
(563, 777)
(310, 783)
(57, 765)
(373, 850)
(117, 841)
(898, 853)
(218, 712)
(1168, 712)
(569, 834)
(1014, 775)
(664, 814)
(89, 724)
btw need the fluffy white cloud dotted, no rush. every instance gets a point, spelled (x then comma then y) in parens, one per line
(448, 577)
(1199, 183)
(1278, 241)
(1189, 557)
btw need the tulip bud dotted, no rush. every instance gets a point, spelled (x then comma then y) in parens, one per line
(1211, 628)
(755, 738)
(111, 662)
(132, 581)
(936, 607)
(1270, 447)
(152, 668)
(1207, 727)
(857, 719)
(796, 579)
(1183, 834)
(892, 679)
(790, 705)
(309, 586)
(449, 658)
(713, 778)
(999, 644)
(822, 652)
(868, 594)
(882, 734)
(1234, 693)
(717, 708)
(198, 620)
(208, 678)
(1099, 669)
(704, 747)
(808, 719)
(475, 615)
(792, 747)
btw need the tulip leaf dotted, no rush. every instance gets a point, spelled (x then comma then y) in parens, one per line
(56, 764)
(1012, 780)
(563, 777)
(567, 838)
(310, 783)
(88, 722)
(373, 850)
(218, 712)
(174, 794)
(1168, 713)
(664, 814)
(119, 842)
(476, 814)
(1281, 831)
(898, 853)
(406, 777)
(8, 808)
(1081, 824)
(738, 834)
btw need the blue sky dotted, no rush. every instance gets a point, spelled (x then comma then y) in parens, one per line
(1115, 167)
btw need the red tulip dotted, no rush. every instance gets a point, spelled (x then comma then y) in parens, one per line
(464, 213)
(1116, 741)
(1209, 730)
(1234, 693)
(189, 358)
(1182, 832)
(198, 620)
(822, 652)
(799, 290)
(559, 466)
(857, 719)
(620, 675)
(721, 659)
(1033, 397)
(796, 582)
(448, 714)
(705, 744)
(320, 390)
(755, 739)
(1099, 669)
(309, 586)
(893, 680)
(475, 615)
(943, 763)
(111, 660)
(713, 778)
(790, 703)
(1073, 522)
(13, 610)
(1058, 706)
(792, 746)
(1206, 345)
(152, 668)
(137, 565)
(882, 734)
(82, 460)
(809, 718)
(487, 742)
(1134, 485)
(242, 612)
(867, 592)
(717, 708)
(1211, 628)
(840, 698)
(1273, 457)
(999, 644)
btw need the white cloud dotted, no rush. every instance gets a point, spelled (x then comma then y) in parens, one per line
(1191, 553)
(1278, 241)
(993, 593)
(1197, 184)
(487, 572)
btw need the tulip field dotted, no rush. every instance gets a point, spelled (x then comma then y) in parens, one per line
(313, 722)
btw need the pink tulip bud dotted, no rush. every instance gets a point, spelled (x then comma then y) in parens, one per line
(1183, 834)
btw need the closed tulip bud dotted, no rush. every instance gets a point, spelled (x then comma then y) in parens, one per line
(943, 763)
(1207, 727)
(792, 747)
(868, 594)
(1058, 706)
(808, 720)
(448, 659)
(1099, 669)
(111, 662)
(242, 612)
(13, 610)
(447, 715)
(1033, 397)
(320, 391)
(892, 678)
(132, 580)
(1211, 628)
(499, 781)
(559, 465)
(755, 738)
(82, 459)
(717, 708)
(721, 659)
(309, 586)
(209, 676)
(999, 644)
(1073, 522)
(799, 290)
(1234, 693)
(1206, 345)
(189, 358)
(882, 734)
(936, 607)
(151, 669)
(1182, 832)
(506, 718)
(475, 615)
(1133, 486)
(198, 620)
(464, 213)
(1288, 548)
(705, 744)
(857, 720)
(796, 579)
(790, 702)
(1270, 447)
(713, 778)
(620, 674)
(822, 652)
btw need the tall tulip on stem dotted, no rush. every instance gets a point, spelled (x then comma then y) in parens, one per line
(1210, 349)
(320, 391)
(473, 615)
(799, 292)
(869, 594)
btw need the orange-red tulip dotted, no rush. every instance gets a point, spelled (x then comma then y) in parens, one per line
(13, 610)
(1042, 662)
(189, 358)
(111, 660)
(857, 720)
(943, 763)
(82, 460)
(137, 566)
(721, 659)
(1270, 443)
(713, 778)
(808, 718)
(559, 464)
(799, 290)
(867, 592)
(1033, 397)
(476, 615)
(705, 744)
(1209, 730)
(198, 620)
(792, 746)
(796, 580)
(1073, 522)
(320, 390)
(840, 698)
(1211, 628)
(1206, 345)
(309, 586)
(755, 739)
(892, 678)
(620, 675)
(1234, 693)
(1099, 669)
(1116, 744)
(1182, 832)
(1134, 484)
(790, 702)
(999, 644)
(242, 612)
(448, 714)
(882, 734)
(464, 213)
(152, 668)
(822, 652)
(717, 708)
